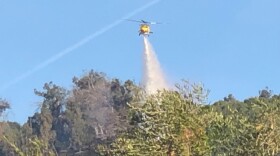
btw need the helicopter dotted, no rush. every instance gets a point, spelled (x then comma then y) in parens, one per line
(144, 29)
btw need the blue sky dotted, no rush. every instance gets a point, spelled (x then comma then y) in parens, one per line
(229, 46)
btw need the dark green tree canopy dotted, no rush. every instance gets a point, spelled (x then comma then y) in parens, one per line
(103, 116)
(4, 105)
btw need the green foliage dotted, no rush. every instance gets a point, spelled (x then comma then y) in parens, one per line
(54, 98)
(193, 92)
(96, 109)
(173, 124)
(231, 135)
(249, 128)
(4, 105)
(167, 124)
(50, 125)
(35, 147)
(100, 116)
(12, 131)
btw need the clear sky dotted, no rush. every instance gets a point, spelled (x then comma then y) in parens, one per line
(229, 46)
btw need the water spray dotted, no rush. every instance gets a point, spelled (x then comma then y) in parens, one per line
(75, 46)
(153, 77)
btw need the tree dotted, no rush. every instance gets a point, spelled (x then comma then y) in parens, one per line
(10, 130)
(4, 105)
(34, 147)
(265, 93)
(49, 124)
(93, 110)
(229, 98)
(168, 123)
(254, 131)
(102, 116)
(231, 134)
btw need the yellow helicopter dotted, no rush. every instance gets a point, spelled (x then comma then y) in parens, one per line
(144, 27)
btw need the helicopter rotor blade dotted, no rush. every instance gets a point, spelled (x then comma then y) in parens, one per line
(155, 23)
(143, 21)
(134, 20)
(146, 22)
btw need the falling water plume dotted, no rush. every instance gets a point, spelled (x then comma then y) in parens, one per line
(153, 77)
(75, 46)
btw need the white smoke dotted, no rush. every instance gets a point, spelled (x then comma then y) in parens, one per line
(153, 77)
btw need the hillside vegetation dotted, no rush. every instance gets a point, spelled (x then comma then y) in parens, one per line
(102, 116)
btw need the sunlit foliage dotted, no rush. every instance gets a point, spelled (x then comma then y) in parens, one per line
(103, 116)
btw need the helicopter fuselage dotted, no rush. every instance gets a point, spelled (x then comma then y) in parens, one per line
(144, 29)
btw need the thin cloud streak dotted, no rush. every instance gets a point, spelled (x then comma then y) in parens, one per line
(75, 46)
